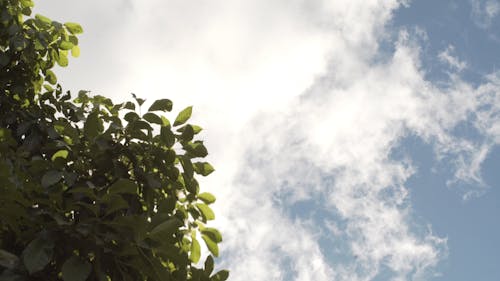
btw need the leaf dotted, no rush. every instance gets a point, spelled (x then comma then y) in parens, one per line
(206, 211)
(7, 259)
(167, 136)
(62, 59)
(183, 116)
(123, 186)
(211, 245)
(220, 276)
(203, 168)
(206, 197)
(161, 105)
(152, 118)
(195, 250)
(75, 269)
(75, 51)
(209, 265)
(165, 229)
(114, 202)
(93, 126)
(37, 254)
(50, 77)
(196, 129)
(51, 177)
(129, 105)
(43, 19)
(187, 133)
(131, 117)
(213, 233)
(74, 28)
(63, 153)
(65, 45)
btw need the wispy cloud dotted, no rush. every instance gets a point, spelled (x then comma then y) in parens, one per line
(300, 119)
(484, 11)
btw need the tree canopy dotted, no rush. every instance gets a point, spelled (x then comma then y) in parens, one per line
(90, 189)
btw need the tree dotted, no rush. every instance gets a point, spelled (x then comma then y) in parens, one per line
(89, 189)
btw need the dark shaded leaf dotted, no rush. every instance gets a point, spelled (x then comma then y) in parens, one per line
(152, 118)
(37, 254)
(75, 269)
(220, 276)
(123, 186)
(161, 105)
(51, 177)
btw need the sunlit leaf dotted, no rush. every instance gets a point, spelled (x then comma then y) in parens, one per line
(183, 116)
(74, 28)
(206, 197)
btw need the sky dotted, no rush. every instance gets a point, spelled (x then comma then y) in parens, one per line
(352, 139)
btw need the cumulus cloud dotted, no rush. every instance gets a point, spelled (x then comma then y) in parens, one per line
(300, 120)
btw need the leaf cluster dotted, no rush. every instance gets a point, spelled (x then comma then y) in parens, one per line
(92, 190)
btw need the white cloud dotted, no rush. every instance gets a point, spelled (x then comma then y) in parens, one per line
(446, 56)
(290, 97)
(483, 12)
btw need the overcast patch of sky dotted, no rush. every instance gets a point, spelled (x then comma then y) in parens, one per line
(305, 104)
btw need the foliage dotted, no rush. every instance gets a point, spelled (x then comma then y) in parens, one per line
(89, 189)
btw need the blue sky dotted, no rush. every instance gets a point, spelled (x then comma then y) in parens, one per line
(352, 140)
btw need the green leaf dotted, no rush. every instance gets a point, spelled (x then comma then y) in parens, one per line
(167, 137)
(209, 265)
(51, 177)
(8, 260)
(206, 197)
(220, 276)
(161, 105)
(75, 269)
(62, 59)
(63, 153)
(131, 117)
(195, 250)
(197, 149)
(213, 233)
(37, 254)
(206, 211)
(27, 3)
(75, 51)
(93, 126)
(211, 245)
(165, 229)
(50, 77)
(152, 118)
(43, 19)
(74, 28)
(123, 186)
(65, 45)
(187, 133)
(196, 129)
(187, 165)
(203, 168)
(183, 116)
(129, 105)
(113, 202)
